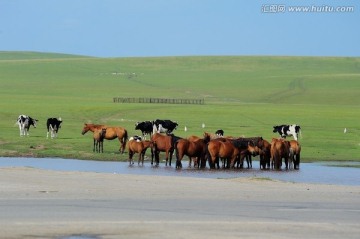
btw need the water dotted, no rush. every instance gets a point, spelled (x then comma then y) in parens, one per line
(326, 173)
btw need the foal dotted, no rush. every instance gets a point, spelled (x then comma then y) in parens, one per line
(98, 137)
(140, 147)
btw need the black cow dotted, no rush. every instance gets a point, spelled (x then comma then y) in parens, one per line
(24, 122)
(164, 126)
(288, 130)
(146, 127)
(53, 125)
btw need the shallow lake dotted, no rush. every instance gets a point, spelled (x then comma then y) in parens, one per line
(323, 172)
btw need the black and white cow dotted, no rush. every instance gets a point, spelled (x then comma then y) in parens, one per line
(24, 122)
(288, 130)
(53, 125)
(220, 133)
(146, 127)
(164, 126)
(136, 138)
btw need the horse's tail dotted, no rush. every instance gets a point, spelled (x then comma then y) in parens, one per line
(126, 136)
(176, 150)
(207, 156)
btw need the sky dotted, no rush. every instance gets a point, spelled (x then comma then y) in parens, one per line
(142, 28)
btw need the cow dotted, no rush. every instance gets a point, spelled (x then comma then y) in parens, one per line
(164, 126)
(135, 138)
(220, 133)
(24, 122)
(288, 130)
(53, 125)
(146, 128)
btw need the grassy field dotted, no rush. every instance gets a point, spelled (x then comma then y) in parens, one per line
(244, 96)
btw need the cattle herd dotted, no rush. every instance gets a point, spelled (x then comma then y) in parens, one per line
(209, 148)
(52, 124)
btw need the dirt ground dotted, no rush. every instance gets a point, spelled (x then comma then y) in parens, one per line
(38, 203)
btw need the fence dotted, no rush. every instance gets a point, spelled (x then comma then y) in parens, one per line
(158, 100)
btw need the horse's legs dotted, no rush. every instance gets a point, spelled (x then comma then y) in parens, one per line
(286, 159)
(297, 161)
(171, 152)
(140, 157)
(217, 162)
(167, 158)
(157, 158)
(131, 153)
(94, 145)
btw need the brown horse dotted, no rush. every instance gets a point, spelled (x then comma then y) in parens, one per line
(279, 149)
(111, 133)
(194, 148)
(163, 143)
(139, 147)
(224, 149)
(295, 150)
(265, 154)
(98, 137)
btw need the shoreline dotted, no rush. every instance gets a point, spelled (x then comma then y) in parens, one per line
(308, 172)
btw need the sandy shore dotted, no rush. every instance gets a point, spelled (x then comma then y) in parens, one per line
(38, 203)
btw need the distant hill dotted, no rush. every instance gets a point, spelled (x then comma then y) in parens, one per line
(27, 55)
(241, 79)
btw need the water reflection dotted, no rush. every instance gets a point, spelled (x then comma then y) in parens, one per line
(309, 172)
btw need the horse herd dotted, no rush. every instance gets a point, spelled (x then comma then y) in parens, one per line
(211, 148)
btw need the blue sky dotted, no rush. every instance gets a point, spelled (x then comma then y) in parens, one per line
(132, 28)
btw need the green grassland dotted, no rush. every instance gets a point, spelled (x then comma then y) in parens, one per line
(244, 96)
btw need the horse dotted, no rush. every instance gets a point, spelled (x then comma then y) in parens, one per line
(245, 153)
(294, 156)
(279, 149)
(163, 143)
(264, 153)
(194, 148)
(221, 148)
(140, 147)
(98, 137)
(111, 133)
(247, 147)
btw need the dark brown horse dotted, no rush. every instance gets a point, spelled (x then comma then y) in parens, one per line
(279, 149)
(163, 143)
(263, 152)
(245, 153)
(111, 133)
(139, 147)
(194, 148)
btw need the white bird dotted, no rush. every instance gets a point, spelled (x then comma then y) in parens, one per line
(345, 130)
(185, 129)
(203, 125)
